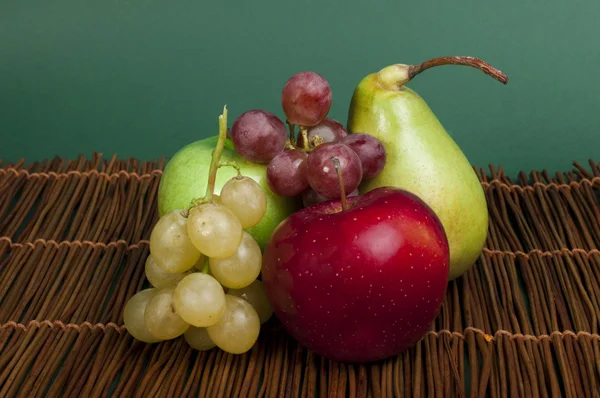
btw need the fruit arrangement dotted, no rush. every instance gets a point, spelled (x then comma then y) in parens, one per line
(203, 267)
(349, 235)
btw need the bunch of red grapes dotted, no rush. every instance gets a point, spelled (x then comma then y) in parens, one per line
(304, 165)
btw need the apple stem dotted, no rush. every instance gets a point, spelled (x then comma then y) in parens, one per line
(232, 164)
(338, 170)
(216, 156)
(486, 68)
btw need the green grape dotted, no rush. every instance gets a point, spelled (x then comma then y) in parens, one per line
(200, 267)
(240, 269)
(133, 316)
(214, 230)
(200, 300)
(170, 245)
(160, 316)
(198, 339)
(257, 297)
(239, 327)
(159, 278)
(246, 199)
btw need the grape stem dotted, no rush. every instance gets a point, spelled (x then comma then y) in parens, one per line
(292, 133)
(316, 141)
(305, 144)
(216, 156)
(215, 163)
(206, 266)
(232, 164)
(338, 170)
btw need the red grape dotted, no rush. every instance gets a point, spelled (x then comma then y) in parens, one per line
(370, 151)
(286, 173)
(306, 99)
(310, 197)
(329, 129)
(321, 172)
(258, 136)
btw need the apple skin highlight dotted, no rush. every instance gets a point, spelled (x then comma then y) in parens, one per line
(362, 284)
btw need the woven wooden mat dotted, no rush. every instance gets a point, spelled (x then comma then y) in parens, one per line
(73, 240)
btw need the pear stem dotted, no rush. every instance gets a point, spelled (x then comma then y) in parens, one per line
(486, 68)
(216, 156)
(338, 170)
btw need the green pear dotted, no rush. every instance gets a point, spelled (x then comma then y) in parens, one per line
(420, 155)
(186, 176)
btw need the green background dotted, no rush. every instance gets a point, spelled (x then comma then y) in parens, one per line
(144, 78)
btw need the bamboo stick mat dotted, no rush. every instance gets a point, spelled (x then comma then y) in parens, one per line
(73, 241)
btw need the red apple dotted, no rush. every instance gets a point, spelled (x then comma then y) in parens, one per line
(361, 284)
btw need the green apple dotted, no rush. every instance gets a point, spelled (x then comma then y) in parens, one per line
(186, 175)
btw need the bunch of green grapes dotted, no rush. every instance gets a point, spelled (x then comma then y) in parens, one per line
(204, 268)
